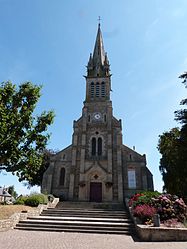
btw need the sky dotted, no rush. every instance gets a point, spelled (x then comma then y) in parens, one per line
(49, 42)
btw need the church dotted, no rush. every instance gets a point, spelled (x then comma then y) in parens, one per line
(97, 166)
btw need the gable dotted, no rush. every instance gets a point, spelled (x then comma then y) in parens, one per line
(131, 155)
(62, 155)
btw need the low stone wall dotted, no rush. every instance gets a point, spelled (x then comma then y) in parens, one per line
(11, 222)
(53, 203)
(161, 233)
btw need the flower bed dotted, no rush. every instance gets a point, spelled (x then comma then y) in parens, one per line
(171, 209)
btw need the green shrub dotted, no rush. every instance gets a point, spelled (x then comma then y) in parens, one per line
(142, 200)
(32, 201)
(145, 197)
(21, 200)
(151, 194)
(35, 199)
(43, 199)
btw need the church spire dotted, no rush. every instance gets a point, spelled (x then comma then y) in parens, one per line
(99, 52)
(98, 65)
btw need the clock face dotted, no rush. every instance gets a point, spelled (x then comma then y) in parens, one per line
(97, 116)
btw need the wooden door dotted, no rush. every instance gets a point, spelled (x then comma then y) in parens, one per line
(95, 191)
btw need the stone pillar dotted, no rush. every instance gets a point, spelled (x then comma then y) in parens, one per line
(109, 117)
(71, 186)
(110, 161)
(82, 157)
(84, 120)
(119, 167)
(109, 153)
(74, 153)
(82, 168)
(72, 172)
(82, 160)
(75, 139)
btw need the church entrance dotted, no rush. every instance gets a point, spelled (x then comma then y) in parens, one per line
(95, 191)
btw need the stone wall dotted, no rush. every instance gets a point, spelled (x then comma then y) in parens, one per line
(146, 233)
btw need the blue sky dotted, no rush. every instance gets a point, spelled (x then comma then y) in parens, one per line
(48, 42)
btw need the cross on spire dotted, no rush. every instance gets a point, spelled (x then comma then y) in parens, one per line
(99, 19)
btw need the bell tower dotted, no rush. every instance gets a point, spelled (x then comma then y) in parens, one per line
(97, 157)
(97, 110)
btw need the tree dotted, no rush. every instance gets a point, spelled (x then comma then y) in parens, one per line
(23, 136)
(173, 148)
(35, 176)
(12, 192)
(169, 149)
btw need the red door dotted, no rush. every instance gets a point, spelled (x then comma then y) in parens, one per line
(96, 191)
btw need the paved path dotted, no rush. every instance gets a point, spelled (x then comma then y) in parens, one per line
(15, 239)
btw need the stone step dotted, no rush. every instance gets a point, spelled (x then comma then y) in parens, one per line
(91, 219)
(90, 210)
(84, 215)
(78, 230)
(87, 210)
(73, 222)
(89, 225)
(87, 219)
(91, 205)
(83, 212)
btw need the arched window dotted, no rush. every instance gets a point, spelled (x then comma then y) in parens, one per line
(92, 89)
(62, 176)
(93, 146)
(103, 90)
(97, 89)
(99, 151)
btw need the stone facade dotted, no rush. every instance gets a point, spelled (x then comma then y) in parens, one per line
(97, 166)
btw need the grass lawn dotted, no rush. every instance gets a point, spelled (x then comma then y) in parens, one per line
(7, 210)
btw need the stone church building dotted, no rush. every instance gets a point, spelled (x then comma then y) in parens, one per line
(97, 166)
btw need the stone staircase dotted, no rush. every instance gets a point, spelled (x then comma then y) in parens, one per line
(81, 217)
